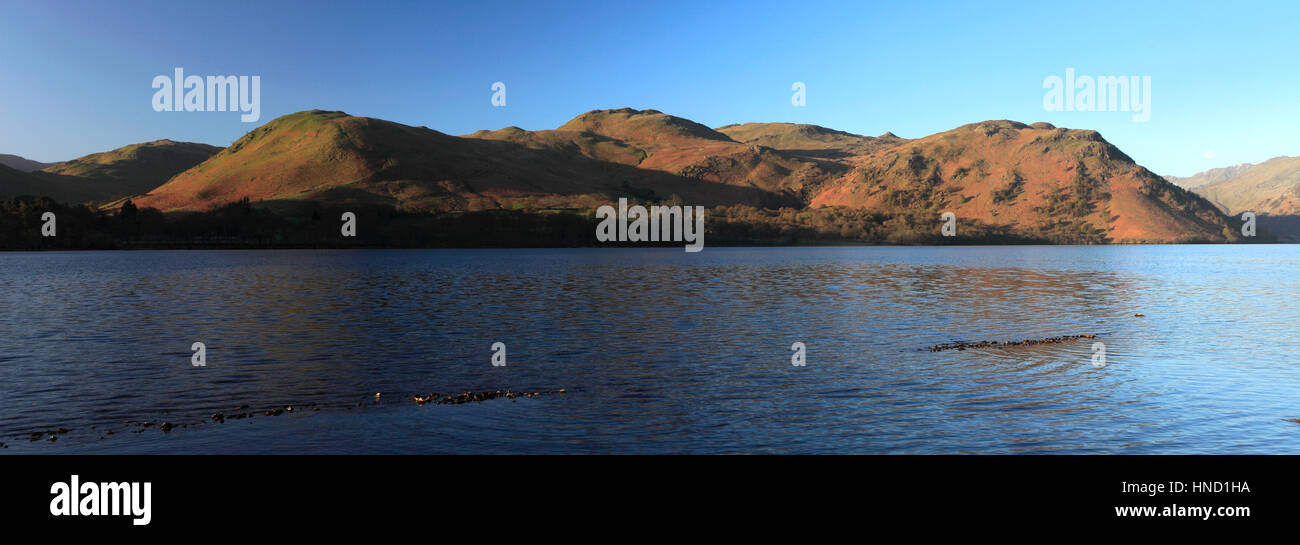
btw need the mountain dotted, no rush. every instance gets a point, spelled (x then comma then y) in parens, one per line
(809, 140)
(109, 175)
(684, 149)
(1210, 176)
(333, 157)
(1268, 188)
(1038, 181)
(21, 163)
(15, 182)
(133, 169)
(1034, 182)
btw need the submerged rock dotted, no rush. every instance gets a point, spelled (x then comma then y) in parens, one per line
(221, 417)
(421, 400)
(994, 344)
(51, 434)
(470, 397)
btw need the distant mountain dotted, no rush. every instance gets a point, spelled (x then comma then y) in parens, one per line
(1268, 188)
(69, 189)
(1027, 181)
(1210, 176)
(20, 163)
(15, 182)
(109, 175)
(133, 169)
(809, 140)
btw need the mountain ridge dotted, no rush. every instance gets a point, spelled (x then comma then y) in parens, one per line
(1271, 187)
(21, 164)
(1026, 181)
(108, 175)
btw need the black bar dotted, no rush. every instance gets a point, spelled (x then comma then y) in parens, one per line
(481, 493)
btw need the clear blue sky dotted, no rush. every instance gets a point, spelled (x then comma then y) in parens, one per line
(75, 76)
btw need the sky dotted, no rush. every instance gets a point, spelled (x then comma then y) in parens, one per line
(76, 77)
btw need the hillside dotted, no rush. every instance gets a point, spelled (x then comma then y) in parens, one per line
(109, 175)
(70, 189)
(136, 168)
(15, 182)
(809, 140)
(1268, 188)
(1026, 182)
(1211, 176)
(1058, 184)
(319, 156)
(21, 164)
(652, 140)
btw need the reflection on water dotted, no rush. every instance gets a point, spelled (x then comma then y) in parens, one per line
(661, 351)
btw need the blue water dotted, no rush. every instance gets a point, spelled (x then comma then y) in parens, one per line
(658, 350)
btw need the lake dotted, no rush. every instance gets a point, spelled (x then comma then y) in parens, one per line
(658, 350)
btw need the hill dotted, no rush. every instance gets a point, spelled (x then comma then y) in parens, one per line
(809, 140)
(15, 182)
(109, 175)
(68, 189)
(684, 149)
(1038, 181)
(332, 157)
(133, 169)
(1268, 188)
(21, 164)
(1211, 176)
(1026, 182)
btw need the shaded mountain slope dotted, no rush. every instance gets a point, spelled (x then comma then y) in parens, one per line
(14, 182)
(21, 164)
(136, 168)
(109, 175)
(70, 189)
